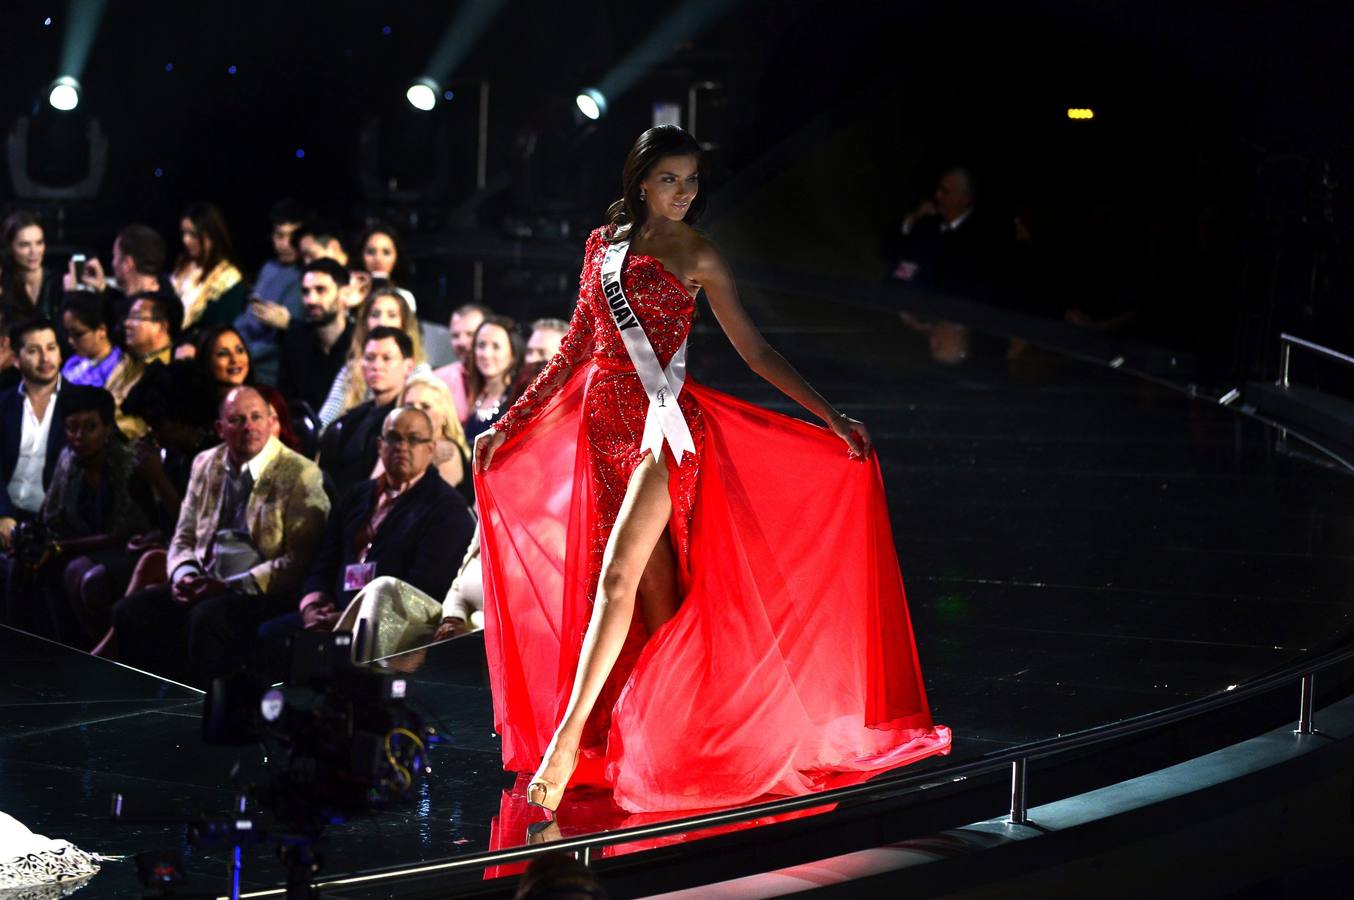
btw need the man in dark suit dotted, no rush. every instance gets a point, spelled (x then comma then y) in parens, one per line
(946, 244)
(315, 346)
(32, 433)
(401, 536)
(348, 449)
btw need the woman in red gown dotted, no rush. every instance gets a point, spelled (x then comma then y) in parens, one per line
(770, 649)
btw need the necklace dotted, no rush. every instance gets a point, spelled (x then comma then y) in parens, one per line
(486, 409)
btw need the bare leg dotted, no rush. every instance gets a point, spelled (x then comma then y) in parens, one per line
(643, 516)
(658, 585)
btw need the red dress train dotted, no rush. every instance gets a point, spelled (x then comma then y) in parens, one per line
(791, 659)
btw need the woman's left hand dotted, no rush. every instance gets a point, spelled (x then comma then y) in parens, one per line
(856, 435)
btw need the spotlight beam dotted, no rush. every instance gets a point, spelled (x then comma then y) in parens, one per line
(465, 30)
(679, 25)
(83, 18)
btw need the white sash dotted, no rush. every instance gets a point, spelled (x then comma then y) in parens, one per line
(663, 386)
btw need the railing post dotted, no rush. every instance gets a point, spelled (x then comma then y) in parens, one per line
(1019, 808)
(1285, 356)
(1306, 703)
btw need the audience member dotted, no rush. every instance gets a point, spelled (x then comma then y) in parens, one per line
(149, 329)
(319, 240)
(376, 562)
(384, 307)
(383, 259)
(544, 342)
(464, 320)
(9, 368)
(557, 876)
(24, 283)
(226, 363)
(497, 360)
(316, 343)
(451, 451)
(138, 265)
(463, 607)
(29, 443)
(100, 496)
(348, 450)
(276, 298)
(246, 535)
(209, 285)
(178, 405)
(93, 356)
(945, 243)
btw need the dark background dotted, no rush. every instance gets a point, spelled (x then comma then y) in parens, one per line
(1209, 192)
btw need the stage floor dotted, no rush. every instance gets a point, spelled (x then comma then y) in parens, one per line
(1078, 546)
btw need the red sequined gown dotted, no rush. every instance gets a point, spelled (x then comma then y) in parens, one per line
(791, 660)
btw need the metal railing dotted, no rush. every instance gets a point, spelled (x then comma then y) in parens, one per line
(1286, 344)
(1017, 758)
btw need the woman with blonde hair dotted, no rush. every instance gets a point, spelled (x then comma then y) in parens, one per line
(385, 306)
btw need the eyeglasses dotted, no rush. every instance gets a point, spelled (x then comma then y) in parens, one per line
(140, 319)
(395, 439)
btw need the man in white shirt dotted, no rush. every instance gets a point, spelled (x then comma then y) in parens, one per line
(31, 433)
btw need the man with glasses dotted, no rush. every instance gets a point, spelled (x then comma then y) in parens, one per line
(392, 545)
(149, 333)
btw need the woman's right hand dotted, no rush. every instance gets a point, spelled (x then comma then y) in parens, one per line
(485, 445)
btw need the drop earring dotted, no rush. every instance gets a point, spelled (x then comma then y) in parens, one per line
(643, 195)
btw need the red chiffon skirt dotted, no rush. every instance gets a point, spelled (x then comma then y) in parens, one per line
(790, 664)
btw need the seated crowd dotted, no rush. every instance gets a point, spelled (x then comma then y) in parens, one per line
(192, 467)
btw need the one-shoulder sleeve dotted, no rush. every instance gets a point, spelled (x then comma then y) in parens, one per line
(574, 348)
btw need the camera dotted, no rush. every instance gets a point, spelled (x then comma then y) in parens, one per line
(340, 742)
(347, 741)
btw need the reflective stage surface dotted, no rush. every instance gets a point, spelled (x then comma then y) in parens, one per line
(1078, 546)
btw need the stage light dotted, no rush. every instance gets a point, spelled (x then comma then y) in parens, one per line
(64, 93)
(422, 94)
(1080, 113)
(591, 103)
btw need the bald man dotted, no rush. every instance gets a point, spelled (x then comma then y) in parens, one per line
(249, 526)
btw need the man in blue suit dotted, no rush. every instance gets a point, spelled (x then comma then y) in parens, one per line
(32, 430)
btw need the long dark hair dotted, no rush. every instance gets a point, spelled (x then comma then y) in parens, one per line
(211, 228)
(403, 265)
(474, 381)
(13, 286)
(206, 349)
(653, 145)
